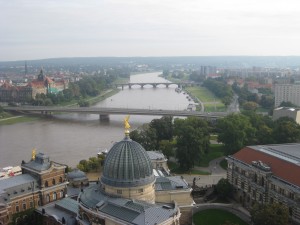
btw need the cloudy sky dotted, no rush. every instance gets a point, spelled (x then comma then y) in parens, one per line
(35, 29)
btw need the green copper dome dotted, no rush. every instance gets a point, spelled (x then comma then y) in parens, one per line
(127, 164)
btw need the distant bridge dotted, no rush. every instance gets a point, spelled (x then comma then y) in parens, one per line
(154, 85)
(105, 112)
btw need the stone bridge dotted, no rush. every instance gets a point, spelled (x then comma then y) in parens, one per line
(154, 85)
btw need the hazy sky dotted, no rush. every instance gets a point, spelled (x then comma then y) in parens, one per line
(34, 29)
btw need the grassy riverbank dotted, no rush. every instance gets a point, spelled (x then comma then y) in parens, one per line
(8, 118)
(12, 119)
(210, 101)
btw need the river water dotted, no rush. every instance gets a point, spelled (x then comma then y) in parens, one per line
(68, 138)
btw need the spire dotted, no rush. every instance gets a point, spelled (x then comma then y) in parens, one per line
(127, 126)
(26, 70)
(41, 75)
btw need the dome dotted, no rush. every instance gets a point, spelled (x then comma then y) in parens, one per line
(127, 164)
(76, 174)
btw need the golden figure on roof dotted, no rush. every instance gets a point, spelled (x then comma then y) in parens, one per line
(33, 154)
(126, 125)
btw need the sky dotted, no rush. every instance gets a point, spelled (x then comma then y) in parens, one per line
(35, 29)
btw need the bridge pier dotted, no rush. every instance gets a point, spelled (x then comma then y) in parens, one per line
(154, 85)
(104, 117)
(129, 85)
(122, 87)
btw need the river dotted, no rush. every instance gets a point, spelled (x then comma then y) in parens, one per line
(68, 138)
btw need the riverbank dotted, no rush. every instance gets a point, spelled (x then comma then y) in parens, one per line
(12, 119)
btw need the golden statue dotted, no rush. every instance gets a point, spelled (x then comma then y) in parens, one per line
(33, 154)
(126, 125)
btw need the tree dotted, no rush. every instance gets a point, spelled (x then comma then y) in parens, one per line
(167, 148)
(192, 138)
(250, 106)
(286, 130)
(275, 214)
(235, 131)
(223, 188)
(146, 137)
(163, 128)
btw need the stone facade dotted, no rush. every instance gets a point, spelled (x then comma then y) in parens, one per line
(40, 183)
(267, 174)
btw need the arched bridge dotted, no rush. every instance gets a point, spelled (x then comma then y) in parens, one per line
(105, 112)
(154, 85)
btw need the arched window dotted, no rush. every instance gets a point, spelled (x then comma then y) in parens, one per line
(54, 195)
(53, 181)
(60, 180)
(46, 183)
(61, 193)
(47, 198)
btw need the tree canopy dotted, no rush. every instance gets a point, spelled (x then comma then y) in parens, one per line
(275, 214)
(235, 131)
(192, 136)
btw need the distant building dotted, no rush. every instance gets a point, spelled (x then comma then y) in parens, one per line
(287, 93)
(41, 183)
(267, 174)
(287, 112)
(24, 93)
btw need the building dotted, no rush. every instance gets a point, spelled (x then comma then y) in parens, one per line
(25, 93)
(125, 193)
(41, 182)
(159, 161)
(266, 174)
(287, 112)
(287, 93)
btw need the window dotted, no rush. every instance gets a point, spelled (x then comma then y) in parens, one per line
(53, 181)
(61, 194)
(24, 206)
(47, 198)
(31, 204)
(119, 192)
(281, 191)
(140, 190)
(273, 187)
(17, 208)
(46, 183)
(54, 196)
(291, 195)
(60, 180)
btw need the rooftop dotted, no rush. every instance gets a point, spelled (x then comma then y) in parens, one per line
(282, 159)
(131, 211)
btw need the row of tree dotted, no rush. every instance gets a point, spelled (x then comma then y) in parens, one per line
(188, 139)
(220, 88)
(250, 101)
(248, 128)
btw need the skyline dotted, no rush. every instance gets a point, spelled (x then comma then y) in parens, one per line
(33, 29)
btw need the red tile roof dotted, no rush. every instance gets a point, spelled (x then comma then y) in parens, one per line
(285, 170)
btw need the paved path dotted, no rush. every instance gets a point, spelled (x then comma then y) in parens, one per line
(217, 173)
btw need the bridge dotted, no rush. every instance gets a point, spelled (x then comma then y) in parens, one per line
(105, 112)
(154, 85)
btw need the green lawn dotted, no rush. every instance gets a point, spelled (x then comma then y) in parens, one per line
(214, 107)
(210, 101)
(216, 217)
(215, 151)
(203, 94)
(18, 119)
